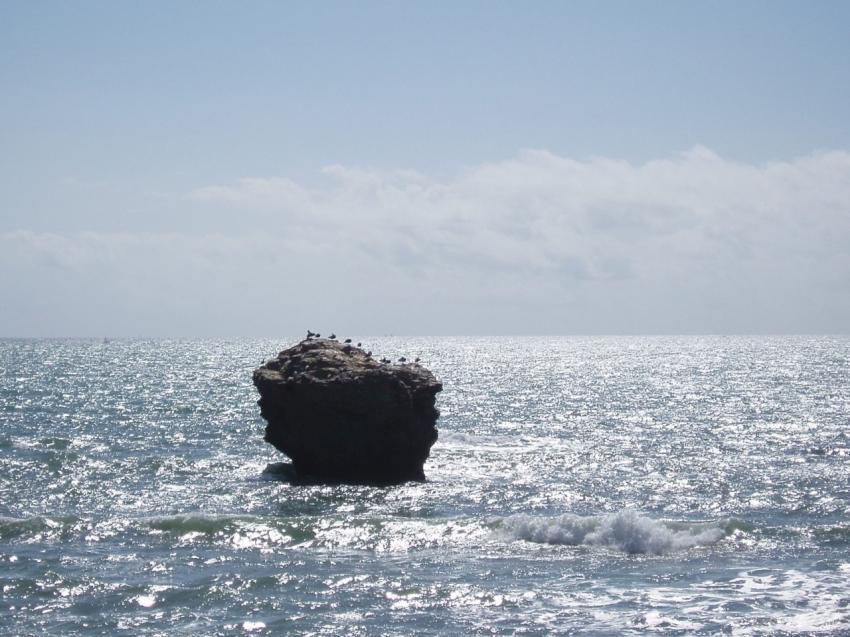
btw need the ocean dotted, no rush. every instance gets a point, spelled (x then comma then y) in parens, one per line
(579, 486)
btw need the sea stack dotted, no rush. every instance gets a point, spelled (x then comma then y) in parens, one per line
(342, 416)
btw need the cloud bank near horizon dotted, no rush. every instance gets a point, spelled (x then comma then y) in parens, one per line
(536, 244)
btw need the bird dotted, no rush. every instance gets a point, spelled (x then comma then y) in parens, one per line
(417, 359)
(310, 334)
(348, 340)
(402, 360)
(359, 344)
(332, 337)
(369, 354)
(317, 335)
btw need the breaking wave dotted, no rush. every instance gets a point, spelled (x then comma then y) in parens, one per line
(34, 527)
(197, 523)
(625, 530)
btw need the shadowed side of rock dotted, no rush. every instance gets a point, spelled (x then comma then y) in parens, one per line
(342, 416)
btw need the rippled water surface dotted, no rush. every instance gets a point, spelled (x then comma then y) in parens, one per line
(579, 486)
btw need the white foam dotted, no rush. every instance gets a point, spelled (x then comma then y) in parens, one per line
(625, 530)
(251, 626)
(145, 601)
(456, 437)
(796, 602)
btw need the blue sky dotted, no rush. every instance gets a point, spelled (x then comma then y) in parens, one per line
(137, 139)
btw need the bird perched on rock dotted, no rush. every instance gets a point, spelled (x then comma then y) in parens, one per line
(341, 419)
(310, 334)
(332, 337)
(369, 354)
(417, 359)
(348, 340)
(359, 344)
(317, 335)
(402, 360)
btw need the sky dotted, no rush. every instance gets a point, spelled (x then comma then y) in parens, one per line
(225, 169)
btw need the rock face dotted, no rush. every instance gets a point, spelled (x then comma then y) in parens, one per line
(342, 416)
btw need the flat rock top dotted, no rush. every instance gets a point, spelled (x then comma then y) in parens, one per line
(322, 360)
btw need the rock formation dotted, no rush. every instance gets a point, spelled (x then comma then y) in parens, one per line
(342, 416)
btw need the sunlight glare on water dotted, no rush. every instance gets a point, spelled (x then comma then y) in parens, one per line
(673, 485)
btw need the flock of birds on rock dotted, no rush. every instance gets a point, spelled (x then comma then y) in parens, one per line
(311, 335)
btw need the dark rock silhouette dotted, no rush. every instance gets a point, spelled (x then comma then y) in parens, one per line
(343, 417)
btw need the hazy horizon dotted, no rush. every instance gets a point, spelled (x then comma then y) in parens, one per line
(367, 339)
(591, 169)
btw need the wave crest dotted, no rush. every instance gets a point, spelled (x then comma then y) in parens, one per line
(625, 530)
(36, 526)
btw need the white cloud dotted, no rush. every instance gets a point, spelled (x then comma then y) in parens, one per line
(692, 242)
(540, 210)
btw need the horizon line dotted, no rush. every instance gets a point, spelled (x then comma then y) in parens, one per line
(479, 335)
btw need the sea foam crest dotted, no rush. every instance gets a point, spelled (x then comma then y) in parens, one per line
(625, 530)
(35, 526)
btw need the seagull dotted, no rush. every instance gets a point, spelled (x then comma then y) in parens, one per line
(348, 340)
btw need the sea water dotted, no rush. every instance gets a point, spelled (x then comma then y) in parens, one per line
(591, 486)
